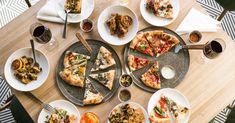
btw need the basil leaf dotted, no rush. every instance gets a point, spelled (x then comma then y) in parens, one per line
(159, 111)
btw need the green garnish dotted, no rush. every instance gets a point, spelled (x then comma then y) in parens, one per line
(159, 111)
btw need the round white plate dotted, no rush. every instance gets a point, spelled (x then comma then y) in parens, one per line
(63, 104)
(42, 76)
(135, 105)
(158, 21)
(174, 95)
(105, 32)
(86, 10)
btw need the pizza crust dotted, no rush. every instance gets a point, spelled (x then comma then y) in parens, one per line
(155, 119)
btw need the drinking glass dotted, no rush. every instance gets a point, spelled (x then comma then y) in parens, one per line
(43, 35)
(213, 49)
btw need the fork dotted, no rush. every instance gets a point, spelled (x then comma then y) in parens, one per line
(45, 105)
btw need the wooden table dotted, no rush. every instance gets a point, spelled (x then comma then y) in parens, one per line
(209, 87)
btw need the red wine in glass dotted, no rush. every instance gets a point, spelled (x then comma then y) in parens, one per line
(213, 48)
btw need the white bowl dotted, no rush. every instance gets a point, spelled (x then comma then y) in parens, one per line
(158, 21)
(105, 32)
(42, 76)
(63, 104)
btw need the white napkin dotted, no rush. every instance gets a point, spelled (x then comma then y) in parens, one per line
(196, 20)
(49, 13)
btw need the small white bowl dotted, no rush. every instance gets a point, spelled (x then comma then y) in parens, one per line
(42, 76)
(84, 21)
(119, 94)
(121, 82)
(168, 72)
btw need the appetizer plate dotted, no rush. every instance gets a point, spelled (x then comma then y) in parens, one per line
(75, 94)
(178, 61)
(158, 21)
(42, 76)
(86, 10)
(104, 31)
(135, 105)
(63, 104)
(175, 95)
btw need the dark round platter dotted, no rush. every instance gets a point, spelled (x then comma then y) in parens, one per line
(75, 94)
(179, 61)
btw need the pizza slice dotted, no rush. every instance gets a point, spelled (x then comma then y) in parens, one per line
(178, 112)
(136, 63)
(104, 59)
(105, 78)
(74, 75)
(159, 113)
(140, 44)
(72, 58)
(151, 78)
(91, 95)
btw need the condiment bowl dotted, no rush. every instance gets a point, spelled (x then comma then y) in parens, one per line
(123, 80)
(194, 36)
(84, 25)
(124, 95)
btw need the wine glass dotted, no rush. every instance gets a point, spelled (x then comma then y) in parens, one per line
(43, 35)
(213, 49)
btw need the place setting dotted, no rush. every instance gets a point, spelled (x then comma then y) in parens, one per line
(115, 62)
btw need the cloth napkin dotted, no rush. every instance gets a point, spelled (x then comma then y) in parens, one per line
(196, 20)
(49, 12)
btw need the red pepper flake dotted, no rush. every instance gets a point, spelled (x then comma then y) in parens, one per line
(87, 26)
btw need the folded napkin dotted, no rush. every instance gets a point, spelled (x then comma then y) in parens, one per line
(196, 20)
(49, 12)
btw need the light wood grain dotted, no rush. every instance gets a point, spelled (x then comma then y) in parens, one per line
(209, 87)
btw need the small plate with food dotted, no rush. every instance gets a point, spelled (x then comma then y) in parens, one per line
(22, 74)
(117, 25)
(159, 12)
(78, 9)
(168, 105)
(66, 112)
(130, 112)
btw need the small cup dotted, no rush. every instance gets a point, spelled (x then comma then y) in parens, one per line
(124, 95)
(125, 80)
(194, 36)
(86, 25)
(168, 72)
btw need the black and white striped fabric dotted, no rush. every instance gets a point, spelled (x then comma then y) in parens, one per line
(214, 9)
(5, 92)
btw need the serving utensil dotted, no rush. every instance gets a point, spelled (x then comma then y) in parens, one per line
(45, 105)
(84, 42)
(195, 47)
(33, 50)
(65, 23)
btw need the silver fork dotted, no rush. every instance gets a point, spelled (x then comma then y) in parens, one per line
(45, 105)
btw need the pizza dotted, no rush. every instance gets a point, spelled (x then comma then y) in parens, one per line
(151, 78)
(136, 63)
(105, 78)
(72, 58)
(140, 44)
(178, 112)
(104, 59)
(74, 6)
(91, 95)
(160, 8)
(159, 114)
(160, 41)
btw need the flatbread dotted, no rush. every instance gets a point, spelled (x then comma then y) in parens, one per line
(72, 58)
(136, 63)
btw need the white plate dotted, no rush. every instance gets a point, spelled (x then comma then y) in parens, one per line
(42, 76)
(105, 32)
(174, 95)
(158, 21)
(63, 104)
(135, 105)
(86, 10)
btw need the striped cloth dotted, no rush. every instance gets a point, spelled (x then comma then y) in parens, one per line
(214, 9)
(5, 115)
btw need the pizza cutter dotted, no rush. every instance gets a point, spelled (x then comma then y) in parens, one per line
(194, 47)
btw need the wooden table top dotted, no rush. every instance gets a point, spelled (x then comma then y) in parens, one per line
(209, 87)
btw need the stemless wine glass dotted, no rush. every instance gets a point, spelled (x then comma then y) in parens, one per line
(213, 49)
(43, 35)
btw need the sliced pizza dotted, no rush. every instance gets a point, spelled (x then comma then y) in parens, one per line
(72, 58)
(159, 114)
(178, 112)
(104, 59)
(154, 39)
(140, 44)
(91, 95)
(160, 8)
(74, 75)
(105, 78)
(151, 78)
(136, 63)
